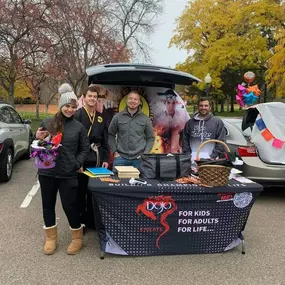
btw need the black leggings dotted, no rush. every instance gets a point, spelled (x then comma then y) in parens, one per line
(68, 193)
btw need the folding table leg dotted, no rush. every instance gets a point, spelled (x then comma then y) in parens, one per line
(243, 246)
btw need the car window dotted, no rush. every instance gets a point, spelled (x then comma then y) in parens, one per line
(6, 116)
(247, 132)
(16, 117)
(227, 131)
(1, 116)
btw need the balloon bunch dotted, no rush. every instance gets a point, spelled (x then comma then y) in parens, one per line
(247, 95)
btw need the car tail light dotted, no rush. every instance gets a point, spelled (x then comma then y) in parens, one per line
(1, 146)
(247, 151)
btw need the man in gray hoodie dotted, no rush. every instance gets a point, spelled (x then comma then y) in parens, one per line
(134, 133)
(204, 126)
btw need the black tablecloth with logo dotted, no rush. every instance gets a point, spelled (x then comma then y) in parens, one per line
(170, 218)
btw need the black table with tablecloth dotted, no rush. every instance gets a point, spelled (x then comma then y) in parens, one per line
(165, 217)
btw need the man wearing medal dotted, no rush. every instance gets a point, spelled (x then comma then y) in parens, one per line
(96, 126)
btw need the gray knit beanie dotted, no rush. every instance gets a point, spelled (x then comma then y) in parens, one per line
(67, 96)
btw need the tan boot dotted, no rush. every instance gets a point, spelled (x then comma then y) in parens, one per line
(76, 244)
(51, 239)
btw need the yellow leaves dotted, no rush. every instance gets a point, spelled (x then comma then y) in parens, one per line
(227, 34)
(21, 91)
(276, 71)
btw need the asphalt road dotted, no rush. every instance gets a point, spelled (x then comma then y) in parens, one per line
(22, 260)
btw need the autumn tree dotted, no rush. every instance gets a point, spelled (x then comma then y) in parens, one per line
(276, 66)
(224, 37)
(38, 68)
(21, 92)
(94, 32)
(85, 38)
(58, 39)
(19, 20)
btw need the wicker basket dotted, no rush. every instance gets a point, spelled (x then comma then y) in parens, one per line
(213, 175)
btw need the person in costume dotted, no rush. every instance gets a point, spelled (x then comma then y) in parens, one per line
(170, 122)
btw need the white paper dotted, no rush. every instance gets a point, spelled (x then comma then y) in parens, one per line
(242, 179)
(234, 173)
(201, 155)
(238, 162)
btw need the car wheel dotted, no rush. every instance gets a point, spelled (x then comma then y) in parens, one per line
(6, 166)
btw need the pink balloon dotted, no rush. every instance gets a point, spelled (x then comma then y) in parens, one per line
(239, 100)
(241, 89)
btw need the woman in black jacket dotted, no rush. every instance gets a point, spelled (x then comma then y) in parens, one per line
(63, 177)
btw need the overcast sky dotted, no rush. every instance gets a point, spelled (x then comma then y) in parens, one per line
(161, 54)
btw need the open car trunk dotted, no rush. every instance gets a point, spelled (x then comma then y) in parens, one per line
(159, 101)
(267, 121)
(138, 75)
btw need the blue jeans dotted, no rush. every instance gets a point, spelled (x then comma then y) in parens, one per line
(121, 161)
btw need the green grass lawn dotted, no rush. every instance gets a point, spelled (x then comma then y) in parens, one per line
(236, 113)
(32, 116)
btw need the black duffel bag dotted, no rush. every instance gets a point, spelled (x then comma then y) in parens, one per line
(165, 166)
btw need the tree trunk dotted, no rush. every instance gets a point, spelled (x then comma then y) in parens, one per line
(222, 106)
(49, 101)
(11, 93)
(265, 93)
(214, 106)
(46, 108)
(232, 103)
(37, 106)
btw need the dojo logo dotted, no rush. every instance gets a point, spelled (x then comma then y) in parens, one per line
(158, 208)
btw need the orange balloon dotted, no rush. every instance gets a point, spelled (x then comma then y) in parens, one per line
(249, 76)
(253, 89)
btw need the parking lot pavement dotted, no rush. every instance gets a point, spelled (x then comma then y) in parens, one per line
(22, 261)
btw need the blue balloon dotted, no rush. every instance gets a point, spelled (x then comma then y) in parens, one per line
(249, 98)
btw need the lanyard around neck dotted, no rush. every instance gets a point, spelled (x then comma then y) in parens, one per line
(90, 119)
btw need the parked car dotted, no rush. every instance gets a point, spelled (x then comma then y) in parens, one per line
(235, 137)
(264, 162)
(15, 140)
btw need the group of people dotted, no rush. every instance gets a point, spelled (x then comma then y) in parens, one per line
(87, 141)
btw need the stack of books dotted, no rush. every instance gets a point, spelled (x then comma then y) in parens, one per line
(127, 172)
(95, 172)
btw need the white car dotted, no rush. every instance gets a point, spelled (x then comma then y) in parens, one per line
(15, 140)
(235, 137)
(263, 162)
